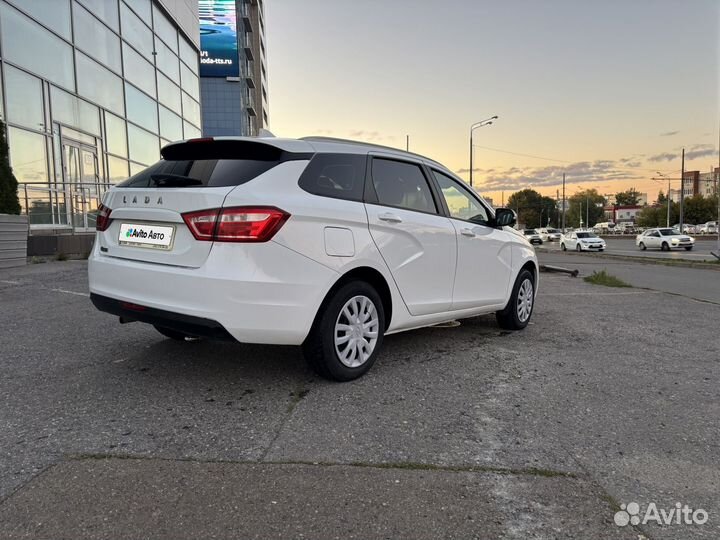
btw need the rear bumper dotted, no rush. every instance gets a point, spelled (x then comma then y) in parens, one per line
(256, 293)
(195, 326)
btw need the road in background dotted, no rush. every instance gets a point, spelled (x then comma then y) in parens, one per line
(626, 246)
(697, 283)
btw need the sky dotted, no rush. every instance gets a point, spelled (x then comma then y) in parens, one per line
(607, 91)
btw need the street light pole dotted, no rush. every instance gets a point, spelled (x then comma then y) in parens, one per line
(476, 125)
(668, 197)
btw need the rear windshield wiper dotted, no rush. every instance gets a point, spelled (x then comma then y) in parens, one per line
(173, 180)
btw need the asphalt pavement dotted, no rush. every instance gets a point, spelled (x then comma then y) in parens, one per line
(610, 396)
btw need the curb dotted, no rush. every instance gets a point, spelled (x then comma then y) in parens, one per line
(682, 263)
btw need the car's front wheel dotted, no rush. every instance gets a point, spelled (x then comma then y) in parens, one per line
(347, 334)
(562, 246)
(518, 310)
(665, 247)
(577, 247)
(688, 248)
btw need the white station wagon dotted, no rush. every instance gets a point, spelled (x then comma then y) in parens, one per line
(323, 243)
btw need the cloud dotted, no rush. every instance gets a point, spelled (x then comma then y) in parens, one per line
(665, 156)
(669, 133)
(695, 154)
(583, 171)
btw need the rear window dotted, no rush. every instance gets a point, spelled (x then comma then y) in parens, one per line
(341, 176)
(210, 164)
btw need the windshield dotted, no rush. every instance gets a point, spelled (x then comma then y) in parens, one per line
(587, 235)
(530, 231)
(553, 231)
(668, 232)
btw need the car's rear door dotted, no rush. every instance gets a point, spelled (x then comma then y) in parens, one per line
(484, 261)
(416, 241)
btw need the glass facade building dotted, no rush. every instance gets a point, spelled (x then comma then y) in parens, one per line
(234, 93)
(91, 90)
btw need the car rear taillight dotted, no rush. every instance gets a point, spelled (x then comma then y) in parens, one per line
(236, 224)
(202, 223)
(102, 221)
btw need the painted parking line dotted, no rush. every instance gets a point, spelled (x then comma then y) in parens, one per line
(64, 291)
(9, 282)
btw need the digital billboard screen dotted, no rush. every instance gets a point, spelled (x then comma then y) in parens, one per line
(218, 38)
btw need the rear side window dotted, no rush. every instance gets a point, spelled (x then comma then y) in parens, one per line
(402, 185)
(211, 163)
(341, 176)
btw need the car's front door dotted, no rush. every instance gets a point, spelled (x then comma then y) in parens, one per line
(652, 239)
(484, 261)
(416, 241)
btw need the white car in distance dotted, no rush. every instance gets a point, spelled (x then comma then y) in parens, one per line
(665, 239)
(582, 241)
(323, 243)
(532, 236)
(548, 234)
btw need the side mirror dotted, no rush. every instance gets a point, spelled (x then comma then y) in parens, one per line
(504, 217)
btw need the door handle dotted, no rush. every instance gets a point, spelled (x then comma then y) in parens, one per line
(390, 218)
(467, 232)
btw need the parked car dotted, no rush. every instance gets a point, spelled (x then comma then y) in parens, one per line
(664, 238)
(687, 228)
(710, 227)
(532, 236)
(582, 241)
(317, 242)
(604, 227)
(548, 234)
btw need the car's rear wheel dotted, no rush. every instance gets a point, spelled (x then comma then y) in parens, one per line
(172, 334)
(518, 310)
(347, 334)
(642, 246)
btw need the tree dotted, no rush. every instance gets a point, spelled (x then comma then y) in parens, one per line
(9, 202)
(533, 209)
(627, 198)
(585, 204)
(661, 198)
(656, 216)
(699, 209)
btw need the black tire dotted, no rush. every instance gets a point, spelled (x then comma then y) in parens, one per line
(688, 248)
(509, 318)
(642, 246)
(562, 246)
(601, 249)
(172, 334)
(665, 247)
(319, 347)
(577, 247)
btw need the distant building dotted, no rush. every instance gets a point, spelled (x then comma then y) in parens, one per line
(691, 183)
(233, 70)
(622, 214)
(675, 195)
(90, 91)
(707, 183)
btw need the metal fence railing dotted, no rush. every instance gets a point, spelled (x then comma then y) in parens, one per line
(73, 205)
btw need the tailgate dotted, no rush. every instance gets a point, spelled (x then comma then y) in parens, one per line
(147, 225)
